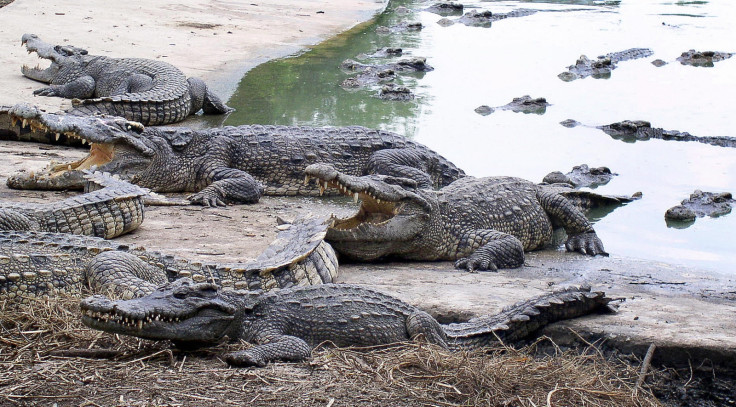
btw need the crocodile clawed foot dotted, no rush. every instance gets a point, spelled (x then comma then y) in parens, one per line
(206, 199)
(244, 358)
(586, 243)
(47, 91)
(473, 264)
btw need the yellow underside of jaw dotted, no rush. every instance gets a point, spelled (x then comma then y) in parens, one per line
(99, 154)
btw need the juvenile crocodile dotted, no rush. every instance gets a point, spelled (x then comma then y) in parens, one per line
(287, 324)
(36, 264)
(144, 90)
(483, 223)
(602, 66)
(227, 164)
(524, 104)
(113, 210)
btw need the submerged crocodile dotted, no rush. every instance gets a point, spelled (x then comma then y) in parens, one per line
(630, 131)
(524, 104)
(227, 165)
(602, 66)
(702, 58)
(34, 264)
(581, 176)
(144, 90)
(113, 210)
(483, 223)
(287, 324)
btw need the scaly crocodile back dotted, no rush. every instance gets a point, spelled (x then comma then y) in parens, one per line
(167, 101)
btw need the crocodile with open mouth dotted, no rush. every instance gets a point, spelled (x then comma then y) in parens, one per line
(287, 324)
(483, 223)
(225, 165)
(147, 91)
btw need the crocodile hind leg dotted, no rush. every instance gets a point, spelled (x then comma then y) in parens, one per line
(284, 347)
(402, 163)
(422, 324)
(123, 275)
(581, 236)
(494, 250)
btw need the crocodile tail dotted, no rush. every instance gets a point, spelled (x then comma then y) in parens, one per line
(148, 112)
(523, 319)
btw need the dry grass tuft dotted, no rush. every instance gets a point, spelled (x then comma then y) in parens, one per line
(47, 356)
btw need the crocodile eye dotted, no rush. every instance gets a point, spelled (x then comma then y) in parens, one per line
(180, 294)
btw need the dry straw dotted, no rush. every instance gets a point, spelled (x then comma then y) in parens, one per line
(48, 357)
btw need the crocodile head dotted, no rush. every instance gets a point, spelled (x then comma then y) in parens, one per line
(116, 146)
(66, 60)
(181, 311)
(395, 217)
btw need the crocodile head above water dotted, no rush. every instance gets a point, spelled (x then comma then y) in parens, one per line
(116, 146)
(66, 61)
(182, 311)
(394, 219)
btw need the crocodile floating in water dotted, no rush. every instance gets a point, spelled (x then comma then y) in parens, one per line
(524, 104)
(581, 176)
(602, 66)
(702, 58)
(483, 223)
(144, 90)
(230, 164)
(36, 264)
(701, 204)
(287, 324)
(630, 131)
(113, 210)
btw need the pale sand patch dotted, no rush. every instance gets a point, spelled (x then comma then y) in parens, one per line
(215, 40)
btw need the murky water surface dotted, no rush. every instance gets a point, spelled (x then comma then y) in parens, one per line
(522, 56)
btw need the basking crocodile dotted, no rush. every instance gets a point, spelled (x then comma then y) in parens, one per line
(287, 324)
(483, 223)
(44, 264)
(227, 164)
(144, 90)
(113, 210)
(602, 66)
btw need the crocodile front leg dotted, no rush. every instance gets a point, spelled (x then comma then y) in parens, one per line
(401, 163)
(229, 186)
(80, 88)
(495, 250)
(284, 347)
(581, 236)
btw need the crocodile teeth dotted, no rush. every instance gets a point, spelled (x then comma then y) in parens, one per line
(306, 180)
(355, 197)
(57, 136)
(25, 123)
(139, 324)
(321, 189)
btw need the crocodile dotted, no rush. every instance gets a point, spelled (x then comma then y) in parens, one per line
(524, 104)
(483, 223)
(700, 204)
(601, 67)
(43, 264)
(230, 164)
(144, 90)
(702, 58)
(113, 210)
(630, 131)
(581, 176)
(288, 324)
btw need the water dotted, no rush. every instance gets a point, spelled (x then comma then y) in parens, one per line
(518, 56)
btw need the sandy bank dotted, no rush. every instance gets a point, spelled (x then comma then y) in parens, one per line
(215, 40)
